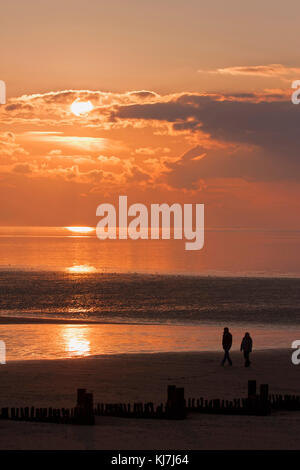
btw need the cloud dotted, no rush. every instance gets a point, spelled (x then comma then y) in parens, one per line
(270, 71)
(54, 107)
(144, 94)
(151, 150)
(23, 168)
(178, 139)
(8, 145)
(269, 128)
(108, 160)
(84, 143)
(199, 165)
(225, 120)
(137, 175)
(55, 153)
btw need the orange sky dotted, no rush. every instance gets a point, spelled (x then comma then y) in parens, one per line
(191, 102)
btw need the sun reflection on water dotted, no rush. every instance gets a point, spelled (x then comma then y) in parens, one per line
(81, 269)
(80, 230)
(76, 342)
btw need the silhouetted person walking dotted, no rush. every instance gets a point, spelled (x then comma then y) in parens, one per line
(246, 346)
(226, 343)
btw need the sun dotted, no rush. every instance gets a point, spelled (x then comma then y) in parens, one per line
(80, 229)
(81, 107)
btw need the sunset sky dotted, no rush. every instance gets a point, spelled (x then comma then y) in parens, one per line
(191, 103)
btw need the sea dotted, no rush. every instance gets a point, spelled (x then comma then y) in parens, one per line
(64, 295)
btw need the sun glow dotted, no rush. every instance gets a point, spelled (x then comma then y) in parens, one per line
(81, 269)
(80, 230)
(81, 107)
(76, 341)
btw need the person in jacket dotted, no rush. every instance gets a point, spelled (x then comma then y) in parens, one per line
(246, 347)
(226, 343)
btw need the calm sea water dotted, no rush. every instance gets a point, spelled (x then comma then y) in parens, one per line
(240, 277)
(45, 341)
(146, 296)
(151, 299)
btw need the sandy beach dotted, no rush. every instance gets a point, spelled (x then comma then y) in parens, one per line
(145, 377)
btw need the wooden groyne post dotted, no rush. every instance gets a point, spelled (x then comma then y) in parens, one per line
(175, 407)
(84, 411)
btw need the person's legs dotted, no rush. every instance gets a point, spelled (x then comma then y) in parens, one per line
(249, 362)
(246, 356)
(226, 358)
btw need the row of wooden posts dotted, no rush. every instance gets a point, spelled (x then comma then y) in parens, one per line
(176, 407)
(255, 404)
(47, 415)
(82, 413)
